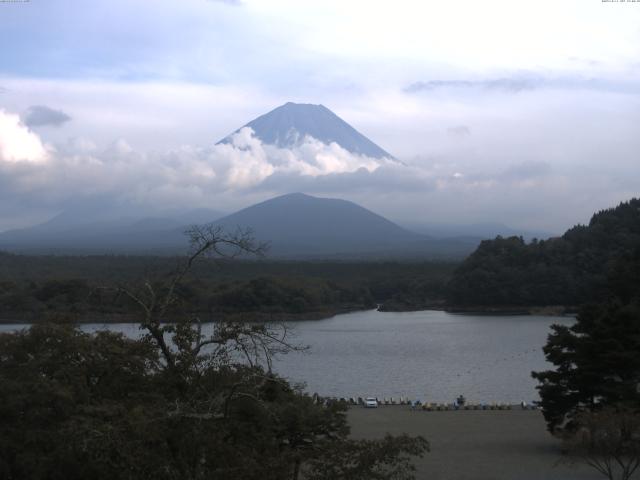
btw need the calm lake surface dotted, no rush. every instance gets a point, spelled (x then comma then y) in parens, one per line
(430, 355)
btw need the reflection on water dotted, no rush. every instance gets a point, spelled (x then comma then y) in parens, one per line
(431, 355)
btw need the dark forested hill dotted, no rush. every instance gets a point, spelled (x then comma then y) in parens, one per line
(302, 226)
(298, 223)
(569, 270)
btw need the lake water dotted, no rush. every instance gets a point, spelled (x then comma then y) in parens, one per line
(430, 355)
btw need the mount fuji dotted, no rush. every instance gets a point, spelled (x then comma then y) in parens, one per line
(296, 225)
(289, 124)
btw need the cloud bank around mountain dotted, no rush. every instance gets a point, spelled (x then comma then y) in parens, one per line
(39, 175)
(506, 131)
(456, 182)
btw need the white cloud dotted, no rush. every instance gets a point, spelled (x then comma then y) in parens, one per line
(199, 69)
(477, 35)
(151, 115)
(246, 162)
(32, 177)
(527, 153)
(18, 143)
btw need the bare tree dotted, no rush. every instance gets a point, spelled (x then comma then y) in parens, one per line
(187, 351)
(608, 441)
(181, 340)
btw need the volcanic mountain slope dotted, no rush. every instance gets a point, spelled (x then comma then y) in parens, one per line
(100, 225)
(289, 124)
(299, 225)
(296, 225)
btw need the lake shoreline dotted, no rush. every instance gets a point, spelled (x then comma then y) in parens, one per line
(279, 317)
(206, 317)
(540, 310)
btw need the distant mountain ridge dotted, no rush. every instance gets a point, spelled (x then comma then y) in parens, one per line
(296, 226)
(288, 124)
(484, 230)
(68, 233)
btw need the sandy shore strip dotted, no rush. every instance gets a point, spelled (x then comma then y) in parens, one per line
(474, 444)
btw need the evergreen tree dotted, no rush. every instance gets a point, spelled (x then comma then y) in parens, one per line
(597, 360)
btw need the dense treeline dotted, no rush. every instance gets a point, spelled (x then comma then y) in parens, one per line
(33, 288)
(505, 272)
(569, 270)
(83, 300)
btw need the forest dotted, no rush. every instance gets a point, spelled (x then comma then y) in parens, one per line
(85, 288)
(579, 267)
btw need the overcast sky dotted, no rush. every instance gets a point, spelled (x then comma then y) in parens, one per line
(514, 111)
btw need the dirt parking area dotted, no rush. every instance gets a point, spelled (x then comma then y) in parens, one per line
(475, 445)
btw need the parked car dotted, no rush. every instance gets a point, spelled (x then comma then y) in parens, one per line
(370, 402)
